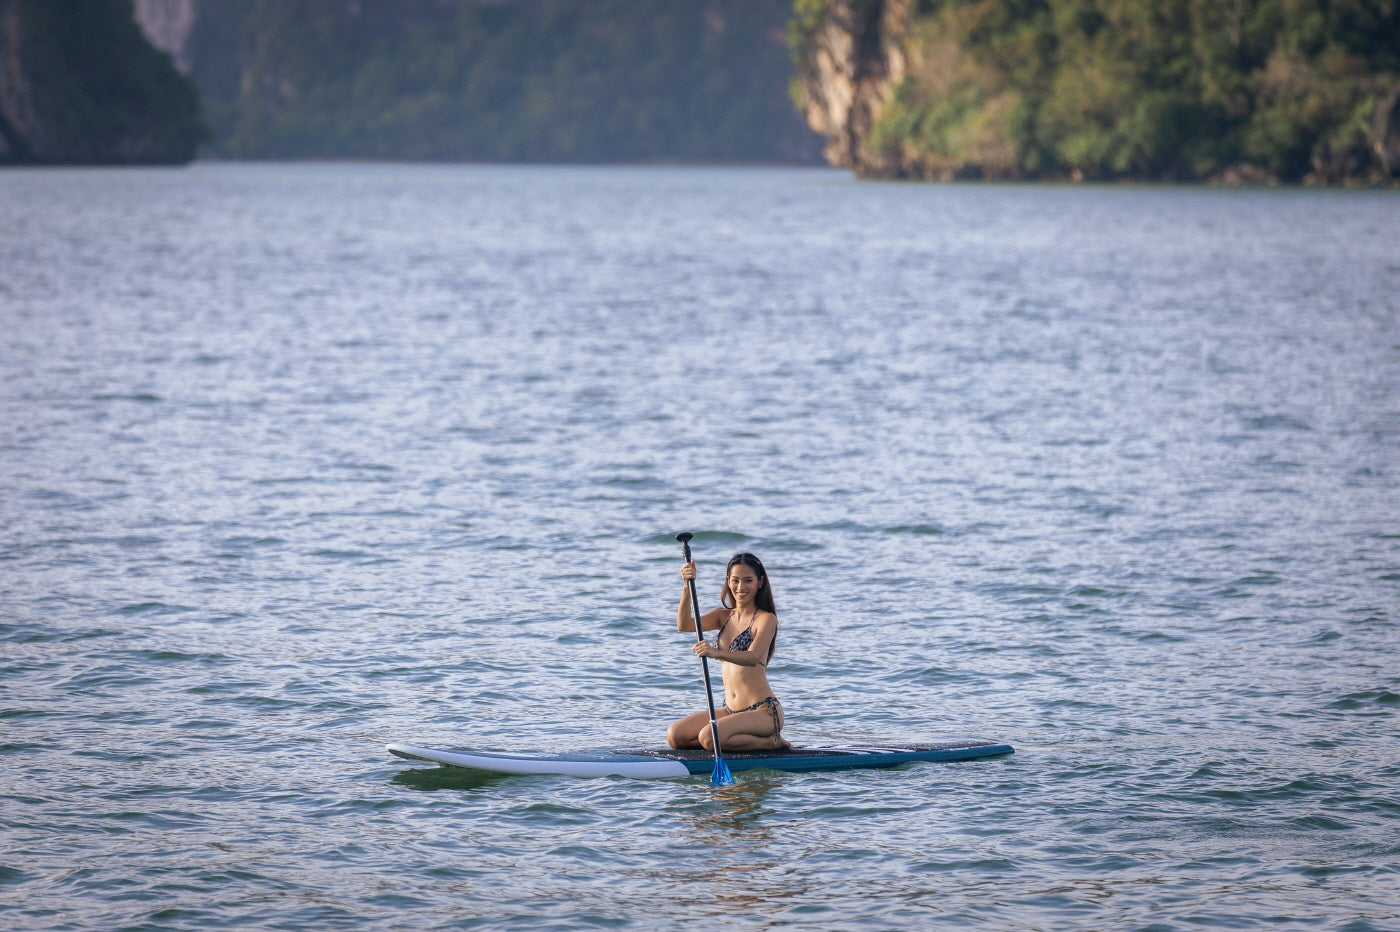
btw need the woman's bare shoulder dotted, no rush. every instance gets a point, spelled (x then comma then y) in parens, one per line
(715, 617)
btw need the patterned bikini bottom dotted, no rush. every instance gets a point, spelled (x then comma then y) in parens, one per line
(771, 703)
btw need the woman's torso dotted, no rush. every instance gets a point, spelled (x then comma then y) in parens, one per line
(745, 685)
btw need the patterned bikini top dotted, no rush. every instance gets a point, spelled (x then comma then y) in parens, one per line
(744, 640)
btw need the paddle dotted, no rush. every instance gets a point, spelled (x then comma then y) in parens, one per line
(721, 775)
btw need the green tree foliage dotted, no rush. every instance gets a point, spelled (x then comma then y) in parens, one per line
(100, 92)
(499, 80)
(1143, 88)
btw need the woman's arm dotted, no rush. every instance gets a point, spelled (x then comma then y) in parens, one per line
(756, 655)
(709, 621)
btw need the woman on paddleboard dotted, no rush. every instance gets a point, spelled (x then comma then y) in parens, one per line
(751, 718)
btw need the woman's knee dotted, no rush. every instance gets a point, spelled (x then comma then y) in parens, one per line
(677, 737)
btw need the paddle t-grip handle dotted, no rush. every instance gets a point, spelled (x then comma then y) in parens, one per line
(685, 537)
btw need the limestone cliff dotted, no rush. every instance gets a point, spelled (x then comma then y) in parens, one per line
(850, 59)
(19, 124)
(168, 24)
(1385, 133)
(80, 84)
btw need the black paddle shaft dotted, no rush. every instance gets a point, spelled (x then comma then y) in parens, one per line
(685, 538)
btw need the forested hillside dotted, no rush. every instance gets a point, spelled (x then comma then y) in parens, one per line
(1232, 90)
(1266, 90)
(499, 80)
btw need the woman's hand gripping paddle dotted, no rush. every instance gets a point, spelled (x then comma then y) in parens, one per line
(721, 775)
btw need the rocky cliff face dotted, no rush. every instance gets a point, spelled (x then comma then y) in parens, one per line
(19, 124)
(1385, 133)
(850, 59)
(168, 24)
(80, 84)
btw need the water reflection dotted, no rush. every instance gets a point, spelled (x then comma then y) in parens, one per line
(743, 871)
(738, 808)
(448, 778)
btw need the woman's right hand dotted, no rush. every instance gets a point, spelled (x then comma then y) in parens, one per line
(685, 620)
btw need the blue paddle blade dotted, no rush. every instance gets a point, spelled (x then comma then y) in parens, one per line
(721, 776)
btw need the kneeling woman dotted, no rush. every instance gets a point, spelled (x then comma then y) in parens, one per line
(751, 718)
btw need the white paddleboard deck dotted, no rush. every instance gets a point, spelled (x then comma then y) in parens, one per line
(666, 762)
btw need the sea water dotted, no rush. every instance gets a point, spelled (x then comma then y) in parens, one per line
(298, 460)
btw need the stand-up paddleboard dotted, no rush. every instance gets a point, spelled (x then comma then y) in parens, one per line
(665, 762)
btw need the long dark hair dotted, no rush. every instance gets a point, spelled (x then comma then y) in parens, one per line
(763, 600)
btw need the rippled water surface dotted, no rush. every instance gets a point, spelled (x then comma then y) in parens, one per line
(299, 460)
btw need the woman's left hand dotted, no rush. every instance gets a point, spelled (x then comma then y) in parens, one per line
(703, 649)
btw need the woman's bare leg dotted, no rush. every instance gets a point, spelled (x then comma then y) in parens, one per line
(742, 731)
(685, 733)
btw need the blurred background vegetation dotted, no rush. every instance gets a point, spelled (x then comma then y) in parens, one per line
(1164, 89)
(486, 80)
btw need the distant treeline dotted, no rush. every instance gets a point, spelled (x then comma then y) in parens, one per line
(498, 80)
(1189, 89)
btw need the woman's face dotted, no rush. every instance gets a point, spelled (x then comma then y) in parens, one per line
(743, 583)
